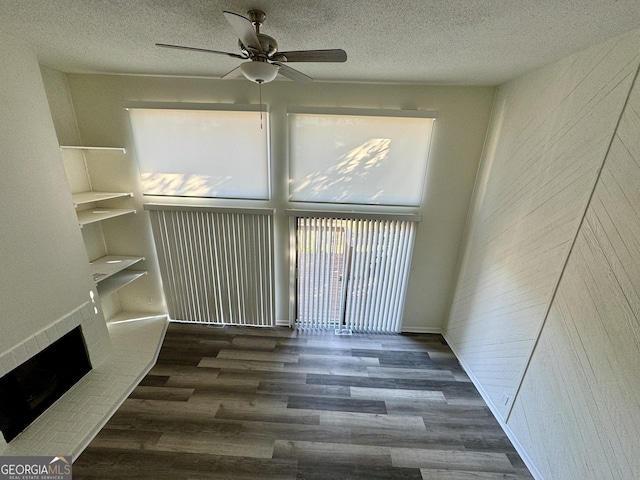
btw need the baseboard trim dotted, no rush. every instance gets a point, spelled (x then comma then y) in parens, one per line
(507, 430)
(422, 330)
(438, 330)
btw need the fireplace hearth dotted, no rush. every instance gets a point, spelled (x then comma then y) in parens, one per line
(29, 389)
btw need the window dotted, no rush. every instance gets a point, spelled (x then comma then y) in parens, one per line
(377, 158)
(216, 263)
(202, 153)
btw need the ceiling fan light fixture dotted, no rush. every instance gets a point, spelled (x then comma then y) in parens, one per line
(259, 72)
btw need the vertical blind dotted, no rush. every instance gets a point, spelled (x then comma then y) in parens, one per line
(353, 273)
(321, 257)
(216, 266)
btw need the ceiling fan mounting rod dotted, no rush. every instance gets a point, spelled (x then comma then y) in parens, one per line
(257, 18)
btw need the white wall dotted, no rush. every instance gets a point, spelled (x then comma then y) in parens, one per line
(546, 306)
(45, 275)
(463, 115)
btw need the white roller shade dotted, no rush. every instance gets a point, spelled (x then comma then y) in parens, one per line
(202, 153)
(359, 159)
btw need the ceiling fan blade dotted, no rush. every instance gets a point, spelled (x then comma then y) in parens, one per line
(244, 29)
(293, 74)
(334, 55)
(235, 73)
(194, 49)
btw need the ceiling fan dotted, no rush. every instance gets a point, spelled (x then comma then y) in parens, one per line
(264, 60)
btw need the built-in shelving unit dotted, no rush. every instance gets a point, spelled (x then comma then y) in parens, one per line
(87, 167)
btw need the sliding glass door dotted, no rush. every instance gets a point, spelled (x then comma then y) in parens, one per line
(352, 273)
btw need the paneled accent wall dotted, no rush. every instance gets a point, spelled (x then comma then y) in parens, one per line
(546, 313)
(550, 133)
(578, 411)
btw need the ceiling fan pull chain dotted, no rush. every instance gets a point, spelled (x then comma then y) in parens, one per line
(260, 87)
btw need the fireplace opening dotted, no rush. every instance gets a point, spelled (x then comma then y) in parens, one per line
(29, 389)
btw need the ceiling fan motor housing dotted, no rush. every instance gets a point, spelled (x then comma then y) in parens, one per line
(268, 44)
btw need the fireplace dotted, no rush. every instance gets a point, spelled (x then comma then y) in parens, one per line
(29, 389)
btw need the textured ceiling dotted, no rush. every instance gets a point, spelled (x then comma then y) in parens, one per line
(469, 42)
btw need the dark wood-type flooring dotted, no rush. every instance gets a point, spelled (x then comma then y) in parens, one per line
(274, 403)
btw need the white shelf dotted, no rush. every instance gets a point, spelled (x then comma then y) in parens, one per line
(98, 214)
(91, 197)
(128, 316)
(118, 280)
(110, 149)
(104, 267)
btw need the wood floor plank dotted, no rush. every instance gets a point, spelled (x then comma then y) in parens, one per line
(258, 343)
(276, 403)
(337, 404)
(337, 360)
(222, 467)
(442, 459)
(107, 463)
(332, 452)
(373, 421)
(318, 470)
(396, 393)
(240, 400)
(287, 415)
(438, 474)
(360, 370)
(169, 369)
(417, 373)
(298, 433)
(154, 381)
(129, 439)
(406, 358)
(213, 362)
(184, 423)
(200, 381)
(229, 444)
(296, 349)
(285, 388)
(487, 442)
(162, 393)
(282, 377)
(256, 355)
(429, 439)
(167, 407)
(343, 342)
